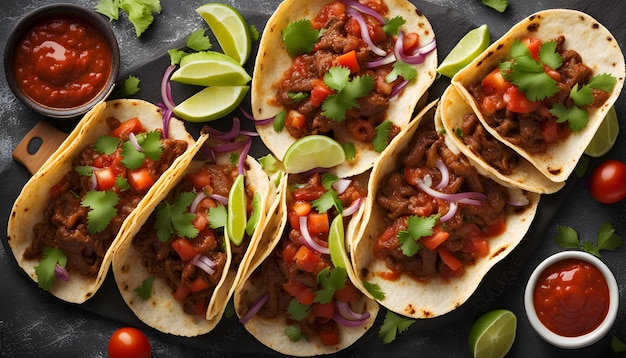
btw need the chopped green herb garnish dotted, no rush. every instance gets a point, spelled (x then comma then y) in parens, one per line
(417, 227)
(401, 69)
(198, 41)
(217, 217)
(393, 325)
(144, 291)
(293, 332)
(129, 87)
(331, 281)
(254, 33)
(150, 144)
(106, 144)
(176, 55)
(498, 5)
(382, 136)
(617, 345)
(297, 97)
(297, 311)
(328, 180)
(328, 200)
(279, 121)
(176, 218)
(338, 78)
(392, 26)
(84, 170)
(349, 150)
(608, 240)
(374, 290)
(102, 205)
(122, 183)
(299, 37)
(45, 269)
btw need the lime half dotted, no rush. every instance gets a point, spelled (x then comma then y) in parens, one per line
(313, 151)
(493, 334)
(211, 103)
(237, 213)
(605, 136)
(230, 29)
(470, 46)
(336, 243)
(210, 69)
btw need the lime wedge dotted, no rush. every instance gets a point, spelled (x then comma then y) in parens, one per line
(210, 69)
(493, 334)
(336, 243)
(237, 213)
(211, 103)
(605, 136)
(470, 46)
(313, 151)
(230, 29)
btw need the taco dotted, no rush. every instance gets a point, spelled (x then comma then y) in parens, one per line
(433, 226)
(298, 298)
(178, 265)
(67, 221)
(488, 154)
(358, 90)
(544, 87)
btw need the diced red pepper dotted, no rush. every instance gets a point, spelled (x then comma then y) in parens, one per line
(324, 310)
(132, 125)
(198, 284)
(181, 293)
(449, 259)
(436, 239)
(105, 177)
(350, 61)
(306, 259)
(476, 246)
(348, 293)
(300, 292)
(329, 336)
(184, 248)
(320, 92)
(140, 179)
(533, 45)
(199, 179)
(494, 82)
(317, 223)
(516, 101)
(289, 252)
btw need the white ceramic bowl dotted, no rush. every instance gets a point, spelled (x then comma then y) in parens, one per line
(585, 339)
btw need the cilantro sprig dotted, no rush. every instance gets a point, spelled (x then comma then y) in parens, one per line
(608, 240)
(347, 92)
(299, 37)
(150, 143)
(144, 291)
(103, 209)
(331, 280)
(45, 269)
(176, 218)
(393, 325)
(417, 227)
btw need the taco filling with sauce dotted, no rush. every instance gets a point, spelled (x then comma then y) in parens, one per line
(347, 75)
(440, 212)
(91, 202)
(541, 94)
(298, 282)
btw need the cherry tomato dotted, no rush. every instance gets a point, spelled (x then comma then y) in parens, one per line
(128, 342)
(608, 182)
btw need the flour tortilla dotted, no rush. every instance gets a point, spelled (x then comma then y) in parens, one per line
(599, 50)
(162, 311)
(271, 332)
(273, 60)
(436, 296)
(449, 117)
(30, 205)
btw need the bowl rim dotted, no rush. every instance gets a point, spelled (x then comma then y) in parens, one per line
(26, 22)
(588, 338)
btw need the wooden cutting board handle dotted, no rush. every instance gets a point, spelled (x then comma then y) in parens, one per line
(49, 139)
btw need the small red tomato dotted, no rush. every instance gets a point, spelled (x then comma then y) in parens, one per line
(608, 182)
(128, 342)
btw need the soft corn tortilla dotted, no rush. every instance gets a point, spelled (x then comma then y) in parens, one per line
(273, 60)
(271, 332)
(449, 116)
(161, 311)
(599, 50)
(435, 297)
(30, 205)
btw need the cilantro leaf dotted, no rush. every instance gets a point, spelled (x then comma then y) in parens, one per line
(297, 97)
(45, 269)
(198, 41)
(254, 32)
(401, 69)
(576, 118)
(527, 73)
(122, 183)
(604, 82)
(328, 200)
(297, 311)
(393, 325)
(382, 136)
(131, 157)
(498, 5)
(417, 227)
(279, 121)
(176, 218)
(299, 37)
(106, 144)
(582, 96)
(144, 291)
(336, 105)
(331, 280)
(567, 237)
(549, 56)
(374, 290)
(217, 217)
(102, 204)
(608, 239)
(617, 345)
(337, 78)
(393, 25)
(176, 55)
(150, 143)
(129, 87)
(293, 332)
(84, 170)
(328, 180)
(350, 150)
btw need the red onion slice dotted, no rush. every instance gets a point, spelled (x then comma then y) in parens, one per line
(308, 240)
(60, 272)
(350, 323)
(364, 32)
(470, 197)
(451, 211)
(364, 9)
(256, 121)
(166, 88)
(241, 169)
(133, 140)
(398, 88)
(445, 174)
(390, 58)
(341, 185)
(204, 263)
(418, 56)
(194, 204)
(353, 208)
(230, 135)
(346, 312)
(254, 309)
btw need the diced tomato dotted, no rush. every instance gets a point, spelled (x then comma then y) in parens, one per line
(319, 93)
(184, 248)
(199, 179)
(517, 102)
(494, 82)
(289, 252)
(329, 336)
(375, 29)
(300, 292)
(324, 310)
(295, 119)
(301, 208)
(410, 42)
(349, 61)
(198, 284)
(348, 293)
(412, 174)
(306, 259)
(181, 293)
(200, 221)
(476, 246)
(204, 205)
(132, 125)
(332, 10)
(492, 103)
(550, 131)
(201, 306)
(533, 45)
(495, 229)
(105, 178)
(436, 239)
(317, 223)
(140, 179)
(449, 259)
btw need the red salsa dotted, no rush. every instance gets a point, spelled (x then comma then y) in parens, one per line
(62, 62)
(571, 298)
